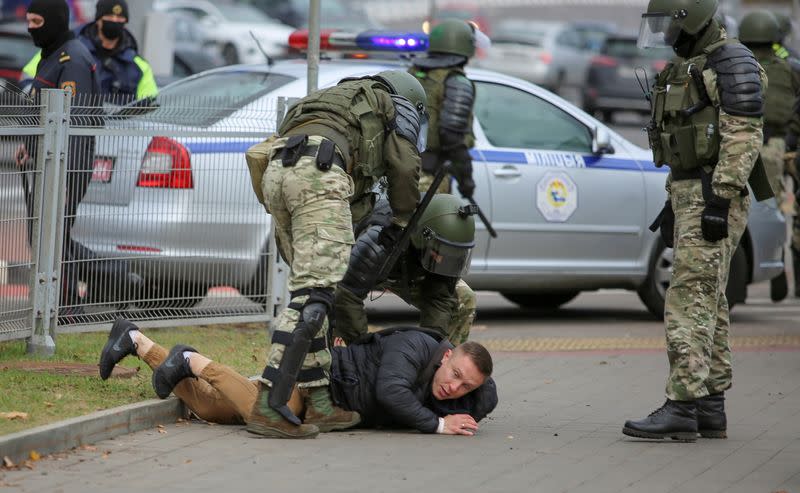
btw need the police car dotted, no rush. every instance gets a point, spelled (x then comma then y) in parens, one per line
(571, 199)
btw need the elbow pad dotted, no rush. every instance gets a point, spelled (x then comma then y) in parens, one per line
(407, 122)
(456, 113)
(738, 79)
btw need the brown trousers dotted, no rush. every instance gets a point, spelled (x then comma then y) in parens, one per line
(219, 394)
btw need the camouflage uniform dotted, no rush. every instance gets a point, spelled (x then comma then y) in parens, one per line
(314, 210)
(696, 309)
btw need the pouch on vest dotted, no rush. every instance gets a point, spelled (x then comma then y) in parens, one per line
(293, 150)
(370, 151)
(258, 158)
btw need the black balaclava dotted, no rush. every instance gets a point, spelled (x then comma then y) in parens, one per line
(686, 43)
(111, 29)
(56, 24)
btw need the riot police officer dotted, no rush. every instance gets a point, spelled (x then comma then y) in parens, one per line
(333, 146)
(781, 45)
(758, 32)
(451, 97)
(425, 276)
(707, 127)
(122, 73)
(64, 64)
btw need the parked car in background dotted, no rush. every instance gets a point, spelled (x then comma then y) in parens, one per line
(594, 33)
(334, 14)
(611, 83)
(469, 12)
(16, 49)
(570, 198)
(194, 51)
(230, 26)
(550, 54)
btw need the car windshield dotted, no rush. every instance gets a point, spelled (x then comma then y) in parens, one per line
(220, 93)
(626, 48)
(244, 13)
(529, 37)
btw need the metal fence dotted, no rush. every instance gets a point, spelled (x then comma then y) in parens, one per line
(142, 210)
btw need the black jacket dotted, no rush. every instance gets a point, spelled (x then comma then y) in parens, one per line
(387, 379)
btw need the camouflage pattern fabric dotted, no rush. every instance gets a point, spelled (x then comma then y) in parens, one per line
(741, 140)
(464, 316)
(313, 230)
(426, 180)
(696, 309)
(772, 154)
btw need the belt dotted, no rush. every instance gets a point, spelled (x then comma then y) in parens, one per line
(691, 174)
(312, 150)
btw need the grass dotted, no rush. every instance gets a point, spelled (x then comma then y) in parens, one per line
(49, 397)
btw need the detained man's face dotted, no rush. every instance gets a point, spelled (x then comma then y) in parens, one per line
(456, 377)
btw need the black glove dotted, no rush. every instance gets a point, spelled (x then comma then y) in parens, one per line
(466, 187)
(665, 222)
(389, 236)
(714, 220)
(366, 259)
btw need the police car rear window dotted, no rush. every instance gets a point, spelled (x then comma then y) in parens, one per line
(220, 93)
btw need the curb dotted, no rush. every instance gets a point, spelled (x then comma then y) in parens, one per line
(92, 428)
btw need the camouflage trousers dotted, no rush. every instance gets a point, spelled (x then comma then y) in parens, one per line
(313, 230)
(696, 309)
(772, 153)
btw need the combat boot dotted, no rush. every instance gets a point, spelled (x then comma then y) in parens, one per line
(266, 422)
(675, 419)
(711, 420)
(322, 412)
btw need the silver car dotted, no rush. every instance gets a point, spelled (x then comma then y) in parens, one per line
(570, 199)
(550, 54)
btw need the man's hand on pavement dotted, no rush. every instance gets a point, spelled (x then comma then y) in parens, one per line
(460, 424)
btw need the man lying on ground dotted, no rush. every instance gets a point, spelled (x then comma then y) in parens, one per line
(397, 378)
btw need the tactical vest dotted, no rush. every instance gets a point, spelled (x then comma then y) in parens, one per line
(778, 109)
(432, 81)
(350, 115)
(681, 141)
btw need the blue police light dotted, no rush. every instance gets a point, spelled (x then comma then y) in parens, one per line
(392, 41)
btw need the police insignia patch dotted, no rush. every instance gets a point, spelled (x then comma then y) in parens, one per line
(117, 9)
(69, 86)
(64, 57)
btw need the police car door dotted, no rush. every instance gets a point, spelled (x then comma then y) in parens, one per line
(558, 207)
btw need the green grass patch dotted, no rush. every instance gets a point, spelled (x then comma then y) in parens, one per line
(49, 397)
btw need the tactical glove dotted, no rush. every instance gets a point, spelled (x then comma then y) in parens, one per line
(665, 222)
(714, 220)
(366, 259)
(389, 236)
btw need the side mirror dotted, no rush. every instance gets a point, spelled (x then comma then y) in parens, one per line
(601, 141)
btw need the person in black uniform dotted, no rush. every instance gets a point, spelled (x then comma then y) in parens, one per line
(65, 64)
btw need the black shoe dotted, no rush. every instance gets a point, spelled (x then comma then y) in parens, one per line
(174, 369)
(711, 419)
(118, 346)
(675, 419)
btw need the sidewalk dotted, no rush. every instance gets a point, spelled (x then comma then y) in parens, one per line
(557, 428)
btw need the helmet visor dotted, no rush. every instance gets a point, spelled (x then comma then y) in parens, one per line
(482, 41)
(658, 31)
(445, 258)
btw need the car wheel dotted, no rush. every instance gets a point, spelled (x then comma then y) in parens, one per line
(541, 301)
(230, 55)
(170, 295)
(654, 290)
(256, 290)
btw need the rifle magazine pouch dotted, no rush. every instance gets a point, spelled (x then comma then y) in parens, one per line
(293, 150)
(258, 158)
(325, 155)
